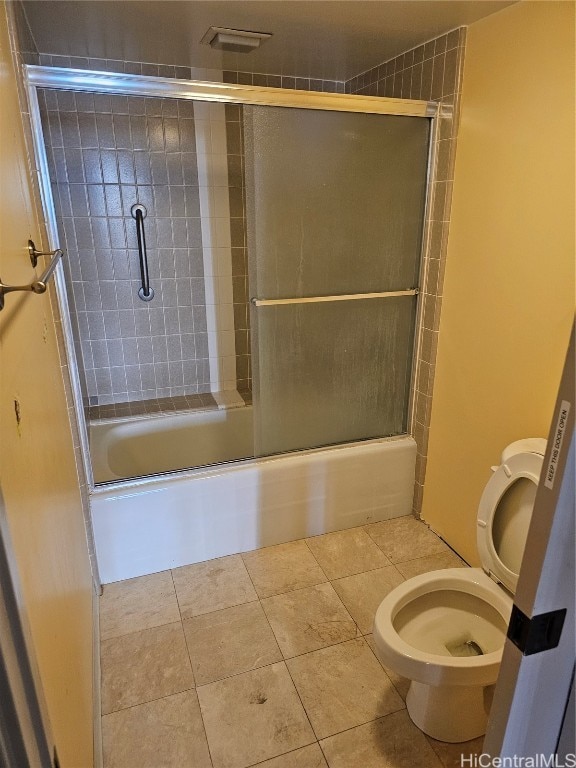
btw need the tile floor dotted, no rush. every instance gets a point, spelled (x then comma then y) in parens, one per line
(266, 659)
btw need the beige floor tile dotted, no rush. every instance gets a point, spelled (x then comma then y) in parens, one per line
(212, 586)
(135, 604)
(253, 717)
(345, 553)
(307, 757)
(392, 742)
(451, 754)
(411, 568)
(283, 568)
(405, 538)
(400, 683)
(308, 619)
(343, 686)
(231, 641)
(167, 733)
(144, 666)
(363, 593)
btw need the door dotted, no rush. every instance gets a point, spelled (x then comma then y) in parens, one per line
(335, 209)
(24, 739)
(531, 713)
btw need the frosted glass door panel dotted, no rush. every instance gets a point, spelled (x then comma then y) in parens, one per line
(334, 207)
(331, 372)
(335, 201)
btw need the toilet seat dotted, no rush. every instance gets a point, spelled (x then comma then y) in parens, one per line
(504, 515)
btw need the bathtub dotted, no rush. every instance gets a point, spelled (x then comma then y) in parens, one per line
(151, 524)
(133, 447)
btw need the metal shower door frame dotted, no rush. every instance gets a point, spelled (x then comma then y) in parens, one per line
(89, 81)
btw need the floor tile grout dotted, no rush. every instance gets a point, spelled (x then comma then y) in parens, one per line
(148, 701)
(359, 725)
(136, 631)
(192, 668)
(289, 752)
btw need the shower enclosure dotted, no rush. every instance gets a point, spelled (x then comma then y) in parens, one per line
(242, 265)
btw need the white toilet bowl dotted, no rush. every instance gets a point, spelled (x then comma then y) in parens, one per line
(445, 630)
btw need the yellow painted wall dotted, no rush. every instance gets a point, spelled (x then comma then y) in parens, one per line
(37, 470)
(509, 287)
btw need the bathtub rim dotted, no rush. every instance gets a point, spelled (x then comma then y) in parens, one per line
(160, 478)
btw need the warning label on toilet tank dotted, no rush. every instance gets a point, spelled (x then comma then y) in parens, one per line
(557, 444)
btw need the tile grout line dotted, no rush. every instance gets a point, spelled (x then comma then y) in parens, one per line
(136, 631)
(290, 751)
(386, 673)
(148, 701)
(361, 725)
(192, 670)
(283, 659)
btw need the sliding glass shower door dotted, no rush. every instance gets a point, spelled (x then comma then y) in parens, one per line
(334, 212)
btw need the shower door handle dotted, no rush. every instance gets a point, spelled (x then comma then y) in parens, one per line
(145, 292)
(336, 297)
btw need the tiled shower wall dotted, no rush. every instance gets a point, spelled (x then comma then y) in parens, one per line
(430, 72)
(237, 195)
(105, 154)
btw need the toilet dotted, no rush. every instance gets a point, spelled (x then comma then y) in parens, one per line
(445, 630)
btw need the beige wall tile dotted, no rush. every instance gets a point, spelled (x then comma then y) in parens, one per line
(406, 538)
(421, 436)
(283, 568)
(135, 604)
(343, 686)
(363, 593)
(167, 732)
(230, 641)
(213, 585)
(418, 492)
(253, 717)
(144, 666)
(346, 552)
(307, 619)
(429, 346)
(392, 742)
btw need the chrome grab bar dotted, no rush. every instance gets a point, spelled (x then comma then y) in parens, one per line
(37, 286)
(341, 297)
(145, 292)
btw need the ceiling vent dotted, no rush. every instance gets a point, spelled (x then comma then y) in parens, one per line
(234, 40)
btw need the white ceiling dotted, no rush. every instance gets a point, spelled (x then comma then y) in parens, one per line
(311, 38)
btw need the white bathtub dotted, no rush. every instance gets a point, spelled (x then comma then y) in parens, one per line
(152, 524)
(138, 446)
